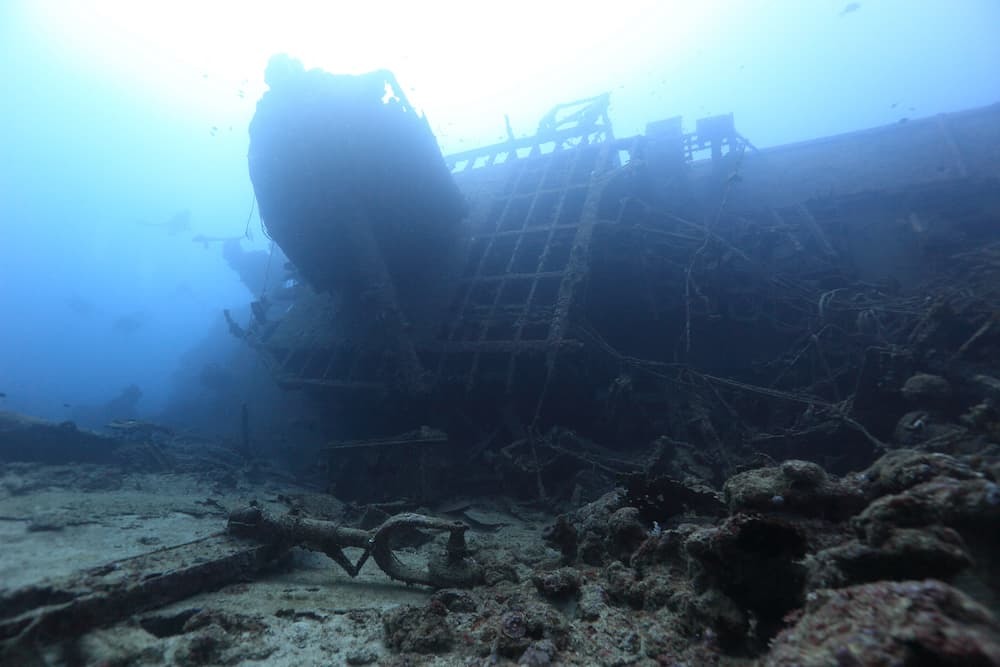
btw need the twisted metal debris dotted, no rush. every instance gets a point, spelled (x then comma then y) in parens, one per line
(452, 568)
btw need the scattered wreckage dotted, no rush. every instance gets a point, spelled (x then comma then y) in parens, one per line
(61, 609)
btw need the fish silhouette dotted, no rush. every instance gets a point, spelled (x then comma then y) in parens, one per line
(849, 8)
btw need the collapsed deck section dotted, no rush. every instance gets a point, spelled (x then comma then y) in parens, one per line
(530, 225)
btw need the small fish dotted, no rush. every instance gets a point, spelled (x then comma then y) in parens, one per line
(3, 395)
(903, 120)
(67, 405)
(894, 105)
(213, 130)
(849, 8)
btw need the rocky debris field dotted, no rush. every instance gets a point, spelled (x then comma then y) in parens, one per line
(784, 564)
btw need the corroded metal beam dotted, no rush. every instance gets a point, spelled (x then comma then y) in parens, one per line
(67, 607)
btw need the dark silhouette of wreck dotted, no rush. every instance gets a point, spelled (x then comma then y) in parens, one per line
(573, 301)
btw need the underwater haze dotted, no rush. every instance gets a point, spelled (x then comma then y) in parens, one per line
(123, 129)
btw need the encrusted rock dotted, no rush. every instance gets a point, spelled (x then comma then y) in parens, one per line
(456, 600)
(922, 531)
(584, 534)
(651, 591)
(889, 623)
(926, 389)
(562, 535)
(361, 656)
(713, 612)
(593, 547)
(523, 624)
(538, 654)
(794, 487)
(593, 601)
(621, 586)
(663, 548)
(901, 553)
(418, 629)
(755, 560)
(625, 531)
(512, 637)
(903, 469)
(557, 584)
(206, 646)
(970, 504)
(496, 570)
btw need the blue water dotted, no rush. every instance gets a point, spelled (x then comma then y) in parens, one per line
(114, 119)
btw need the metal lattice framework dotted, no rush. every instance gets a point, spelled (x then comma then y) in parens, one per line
(532, 212)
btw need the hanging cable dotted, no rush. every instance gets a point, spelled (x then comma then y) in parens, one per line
(253, 205)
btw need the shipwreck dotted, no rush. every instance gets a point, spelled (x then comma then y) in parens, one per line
(662, 399)
(581, 295)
